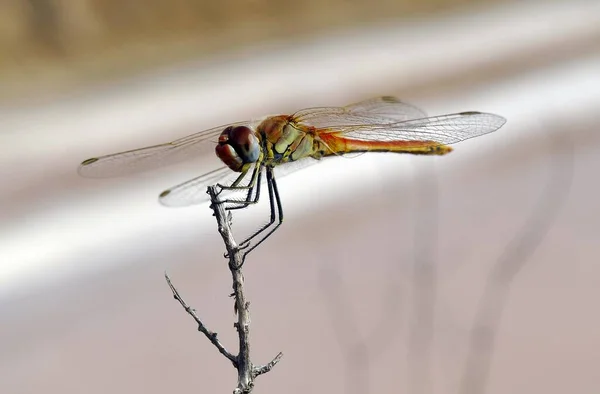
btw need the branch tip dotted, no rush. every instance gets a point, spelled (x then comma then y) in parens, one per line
(257, 371)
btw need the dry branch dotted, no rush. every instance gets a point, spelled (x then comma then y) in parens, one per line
(247, 372)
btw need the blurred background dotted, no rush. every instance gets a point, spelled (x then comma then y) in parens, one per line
(469, 273)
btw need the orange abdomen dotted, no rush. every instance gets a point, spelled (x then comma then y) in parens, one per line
(340, 145)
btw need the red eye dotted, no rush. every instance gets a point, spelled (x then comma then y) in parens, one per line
(245, 143)
(224, 137)
(241, 135)
(238, 146)
(229, 156)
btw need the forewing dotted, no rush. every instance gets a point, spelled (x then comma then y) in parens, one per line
(152, 157)
(380, 110)
(387, 107)
(194, 191)
(444, 129)
(286, 169)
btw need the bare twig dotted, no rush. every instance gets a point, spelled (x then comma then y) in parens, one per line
(247, 372)
(212, 336)
(257, 371)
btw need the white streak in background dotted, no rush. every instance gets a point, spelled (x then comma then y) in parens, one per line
(96, 229)
(341, 65)
(89, 231)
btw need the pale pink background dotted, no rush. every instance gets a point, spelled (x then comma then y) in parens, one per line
(340, 277)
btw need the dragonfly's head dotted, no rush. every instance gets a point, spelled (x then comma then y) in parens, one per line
(238, 146)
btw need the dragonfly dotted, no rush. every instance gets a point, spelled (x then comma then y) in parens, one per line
(250, 151)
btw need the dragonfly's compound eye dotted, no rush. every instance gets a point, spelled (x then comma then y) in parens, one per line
(238, 146)
(245, 143)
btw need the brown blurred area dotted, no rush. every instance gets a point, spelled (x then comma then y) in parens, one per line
(52, 44)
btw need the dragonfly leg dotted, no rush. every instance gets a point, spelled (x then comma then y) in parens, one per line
(256, 175)
(246, 242)
(234, 185)
(253, 186)
(276, 214)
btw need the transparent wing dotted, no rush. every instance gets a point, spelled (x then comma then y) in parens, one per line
(153, 156)
(194, 191)
(286, 169)
(387, 107)
(380, 110)
(389, 119)
(444, 129)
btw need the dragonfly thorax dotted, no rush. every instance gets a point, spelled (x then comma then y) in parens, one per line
(285, 140)
(238, 146)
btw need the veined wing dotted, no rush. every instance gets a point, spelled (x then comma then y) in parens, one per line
(194, 191)
(389, 119)
(380, 110)
(153, 156)
(387, 107)
(444, 129)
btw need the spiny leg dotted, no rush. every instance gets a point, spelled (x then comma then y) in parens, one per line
(250, 187)
(274, 199)
(244, 244)
(234, 185)
(253, 186)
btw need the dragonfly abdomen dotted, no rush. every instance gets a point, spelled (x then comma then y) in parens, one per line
(340, 145)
